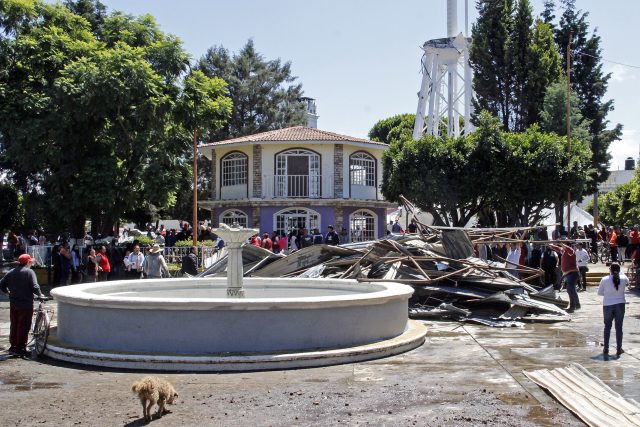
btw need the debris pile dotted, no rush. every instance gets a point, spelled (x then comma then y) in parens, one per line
(450, 282)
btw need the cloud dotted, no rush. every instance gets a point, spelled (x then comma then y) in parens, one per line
(620, 73)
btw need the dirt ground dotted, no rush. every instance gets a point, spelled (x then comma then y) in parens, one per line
(462, 375)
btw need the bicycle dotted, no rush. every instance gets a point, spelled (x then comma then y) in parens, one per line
(41, 324)
(605, 252)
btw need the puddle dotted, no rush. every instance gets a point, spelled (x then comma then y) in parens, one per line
(22, 383)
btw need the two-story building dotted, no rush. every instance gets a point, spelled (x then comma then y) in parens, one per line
(299, 177)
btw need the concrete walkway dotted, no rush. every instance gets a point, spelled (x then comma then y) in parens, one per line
(463, 375)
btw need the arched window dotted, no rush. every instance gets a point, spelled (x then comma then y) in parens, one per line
(362, 169)
(234, 169)
(362, 225)
(233, 215)
(296, 218)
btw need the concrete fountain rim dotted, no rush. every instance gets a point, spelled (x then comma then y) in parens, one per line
(372, 294)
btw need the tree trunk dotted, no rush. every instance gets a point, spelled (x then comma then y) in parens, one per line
(77, 226)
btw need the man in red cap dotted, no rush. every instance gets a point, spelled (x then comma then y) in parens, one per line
(20, 283)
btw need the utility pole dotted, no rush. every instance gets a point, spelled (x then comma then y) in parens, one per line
(194, 227)
(569, 127)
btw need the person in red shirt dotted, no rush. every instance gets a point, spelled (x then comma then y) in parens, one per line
(613, 244)
(570, 273)
(104, 268)
(634, 238)
(266, 242)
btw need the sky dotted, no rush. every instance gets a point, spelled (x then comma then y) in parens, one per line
(360, 59)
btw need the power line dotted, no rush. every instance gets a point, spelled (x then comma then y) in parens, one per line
(606, 60)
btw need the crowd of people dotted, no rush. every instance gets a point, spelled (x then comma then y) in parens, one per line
(295, 239)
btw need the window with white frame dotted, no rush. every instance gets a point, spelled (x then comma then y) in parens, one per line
(362, 226)
(362, 168)
(232, 216)
(296, 218)
(234, 169)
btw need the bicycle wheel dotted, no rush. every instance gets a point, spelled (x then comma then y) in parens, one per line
(605, 255)
(41, 332)
(593, 257)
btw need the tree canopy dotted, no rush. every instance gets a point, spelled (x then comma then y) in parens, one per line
(513, 175)
(92, 112)
(514, 61)
(264, 92)
(393, 129)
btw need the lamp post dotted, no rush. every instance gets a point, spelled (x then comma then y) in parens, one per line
(195, 190)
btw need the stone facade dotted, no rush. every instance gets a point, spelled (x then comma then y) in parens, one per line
(213, 174)
(257, 171)
(339, 213)
(338, 184)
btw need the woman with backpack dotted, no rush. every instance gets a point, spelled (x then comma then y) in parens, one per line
(612, 288)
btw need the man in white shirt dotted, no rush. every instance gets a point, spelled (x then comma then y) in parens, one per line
(136, 258)
(513, 258)
(582, 259)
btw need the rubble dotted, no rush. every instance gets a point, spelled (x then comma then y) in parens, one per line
(450, 282)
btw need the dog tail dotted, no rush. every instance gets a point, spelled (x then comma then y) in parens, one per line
(136, 387)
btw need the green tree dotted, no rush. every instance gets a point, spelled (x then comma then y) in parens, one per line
(544, 69)
(441, 174)
(393, 129)
(264, 93)
(504, 178)
(553, 117)
(590, 84)
(538, 167)
(621, 206)
(492, 81)
(93, 120)
(519, 57)
(514, 60)
(11, 210)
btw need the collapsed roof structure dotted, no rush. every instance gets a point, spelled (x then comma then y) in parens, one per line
(449, 280)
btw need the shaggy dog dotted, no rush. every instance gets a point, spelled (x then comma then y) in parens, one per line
(154, 390)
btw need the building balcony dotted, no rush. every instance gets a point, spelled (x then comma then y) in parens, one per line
(283, 187)
(297, 186)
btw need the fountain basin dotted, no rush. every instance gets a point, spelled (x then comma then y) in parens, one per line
(194, 318)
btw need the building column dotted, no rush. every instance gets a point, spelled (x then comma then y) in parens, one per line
(257, 171)
(338, 213)
(338, 182)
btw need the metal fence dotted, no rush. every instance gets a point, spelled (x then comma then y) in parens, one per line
(207, 255)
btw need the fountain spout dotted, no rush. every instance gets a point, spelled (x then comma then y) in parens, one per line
(234, 236)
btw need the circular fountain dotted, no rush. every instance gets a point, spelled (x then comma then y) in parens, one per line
(204, 324)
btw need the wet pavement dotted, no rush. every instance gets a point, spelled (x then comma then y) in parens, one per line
(463, 375)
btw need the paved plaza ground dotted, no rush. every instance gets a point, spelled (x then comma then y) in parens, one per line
(463, 375)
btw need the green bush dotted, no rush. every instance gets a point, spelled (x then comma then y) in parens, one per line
(144, 240)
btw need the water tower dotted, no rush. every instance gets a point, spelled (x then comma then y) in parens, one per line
(445, 94)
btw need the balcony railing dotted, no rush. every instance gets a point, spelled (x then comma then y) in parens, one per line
(298, 186)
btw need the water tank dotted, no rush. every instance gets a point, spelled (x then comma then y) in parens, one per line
(629, 164)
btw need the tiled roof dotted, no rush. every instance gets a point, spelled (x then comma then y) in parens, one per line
(296, 133)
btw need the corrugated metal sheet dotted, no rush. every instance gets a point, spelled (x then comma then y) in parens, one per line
(587, 397)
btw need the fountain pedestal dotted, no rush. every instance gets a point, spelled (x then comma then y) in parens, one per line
(234, 237)
(234, 270)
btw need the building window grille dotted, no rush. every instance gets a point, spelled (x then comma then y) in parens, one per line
(362, 169)
(362, 226)
(234, 169)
